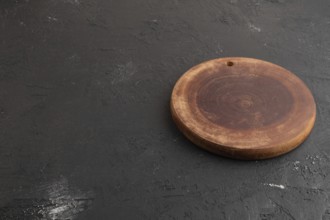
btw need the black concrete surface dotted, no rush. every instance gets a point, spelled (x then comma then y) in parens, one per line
(85, 127)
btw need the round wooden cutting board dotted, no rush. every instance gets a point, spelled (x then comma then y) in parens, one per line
(243, 108)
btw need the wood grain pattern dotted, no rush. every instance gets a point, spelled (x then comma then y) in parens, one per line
(243, 108)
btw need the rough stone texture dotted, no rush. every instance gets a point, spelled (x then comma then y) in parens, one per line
(85, 126)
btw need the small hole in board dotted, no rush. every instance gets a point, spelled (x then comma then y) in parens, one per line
(229, 63)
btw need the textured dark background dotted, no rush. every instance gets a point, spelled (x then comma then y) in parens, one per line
(85, 127)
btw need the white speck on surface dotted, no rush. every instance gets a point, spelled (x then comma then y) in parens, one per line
(52, 18)
(58, 210)
(296, 165)
(313, 159)
(275, 185)
(254, 28)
